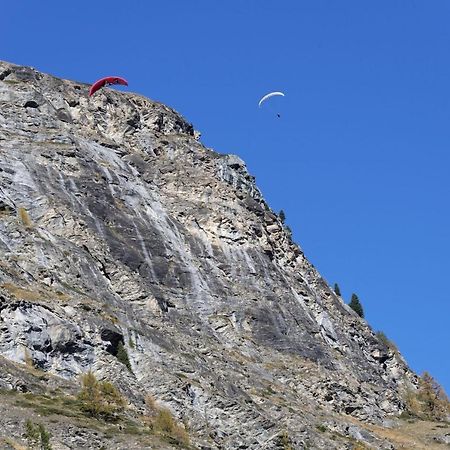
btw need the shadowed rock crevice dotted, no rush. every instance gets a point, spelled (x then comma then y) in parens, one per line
(31, 104)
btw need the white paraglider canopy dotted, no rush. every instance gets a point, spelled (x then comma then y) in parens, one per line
(267, 96)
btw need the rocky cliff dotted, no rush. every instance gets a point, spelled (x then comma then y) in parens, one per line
(120, 229)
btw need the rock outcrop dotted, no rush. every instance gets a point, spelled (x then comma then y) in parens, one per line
(120, 229)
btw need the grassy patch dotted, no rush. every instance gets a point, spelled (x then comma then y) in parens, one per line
(20, 293)
(285, 441)
(25, 218)
(8, 443)
(48, 406)
(268, 391)
(113, 319)
(103, 414)
(71, 288)
(37, 436)
(165, 425)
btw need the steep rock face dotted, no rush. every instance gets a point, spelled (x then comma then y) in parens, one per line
(119, 227)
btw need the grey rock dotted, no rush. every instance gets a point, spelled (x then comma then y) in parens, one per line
(119, 226)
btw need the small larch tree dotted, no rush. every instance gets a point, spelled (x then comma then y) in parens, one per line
(355, 304)
(435, 403)
(100, 399)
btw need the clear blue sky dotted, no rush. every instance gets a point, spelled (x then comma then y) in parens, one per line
(359, 160)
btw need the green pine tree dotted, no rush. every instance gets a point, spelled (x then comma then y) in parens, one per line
(337, 291)
(282, 216)
(355, 304)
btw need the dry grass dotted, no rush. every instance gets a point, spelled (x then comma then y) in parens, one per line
(150, 402)
(165, 425)
(11, 443)
(162, 422)
(414, 435)
(24, 217)
(285, 441)
(28, 359)
(359, 446)
(34, 295)
(107, 316)
(66, 411)
(20, 293)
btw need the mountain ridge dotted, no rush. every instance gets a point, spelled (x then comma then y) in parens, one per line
(121, 230)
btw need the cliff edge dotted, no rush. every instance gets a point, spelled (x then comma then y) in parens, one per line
(121, 233)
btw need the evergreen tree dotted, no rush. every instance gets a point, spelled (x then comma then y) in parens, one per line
(282, 216)
(122, 356)
(337, 291)
(355, 304)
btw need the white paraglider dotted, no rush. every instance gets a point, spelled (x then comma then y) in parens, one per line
(269, 95)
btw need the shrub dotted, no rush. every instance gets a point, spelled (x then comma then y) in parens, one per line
(100, 399)
(150, 402)
(165, 424)
(430, 401)
(285, 441)
(164, 421)
(382, 338)
(433, 397)
(28, 359)
(122, 356)
(37, 436)
(355, 304)
(386, 341)
(24, 217)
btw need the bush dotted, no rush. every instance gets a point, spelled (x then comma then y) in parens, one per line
(386, 341)
(37, 436)
(429, 402)
(122, 356)
(164, 421)
(28, 359)
(165, 424)
(285, 441)
(25, 218)
(433, 397)
(100, 399)
(355, 304)
(150, 402)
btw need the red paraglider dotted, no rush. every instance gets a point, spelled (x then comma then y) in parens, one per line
(106, 81)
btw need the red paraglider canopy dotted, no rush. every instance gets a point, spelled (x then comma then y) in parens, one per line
(105, 81)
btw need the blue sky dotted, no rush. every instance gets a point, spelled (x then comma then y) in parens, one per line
(359, 160)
